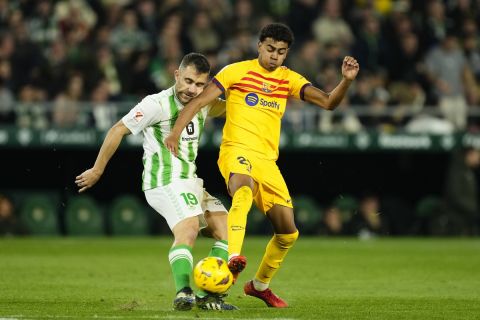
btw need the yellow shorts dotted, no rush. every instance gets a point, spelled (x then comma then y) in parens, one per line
(271, 186)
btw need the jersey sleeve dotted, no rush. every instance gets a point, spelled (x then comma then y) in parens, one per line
(226, 77)
(298, 83)
(217, 108)
(146, 113)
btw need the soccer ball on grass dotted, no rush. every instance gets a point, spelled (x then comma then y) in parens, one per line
(212, 274)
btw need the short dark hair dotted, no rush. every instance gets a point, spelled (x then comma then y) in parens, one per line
(198, 60)
(278, 32)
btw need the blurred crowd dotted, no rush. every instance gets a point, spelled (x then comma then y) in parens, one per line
(412, 54)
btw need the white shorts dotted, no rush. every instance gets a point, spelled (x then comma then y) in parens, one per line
(182, 199)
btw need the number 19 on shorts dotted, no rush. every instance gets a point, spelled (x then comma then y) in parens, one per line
(189, 198)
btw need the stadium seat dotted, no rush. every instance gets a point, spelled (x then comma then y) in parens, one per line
(347, 205)
(127, 216)
(429, 207)
(307, 214)
(39, 214)
(400, 214)
(83, 217)
(432, 218)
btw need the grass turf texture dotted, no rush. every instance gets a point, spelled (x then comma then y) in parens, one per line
(120, 278)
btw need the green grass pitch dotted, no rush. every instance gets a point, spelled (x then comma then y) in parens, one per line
(322, 278)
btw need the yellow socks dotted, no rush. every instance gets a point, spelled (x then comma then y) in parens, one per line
(275, 252)
(237, 219)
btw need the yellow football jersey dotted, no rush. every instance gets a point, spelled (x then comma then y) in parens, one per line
(256, 101)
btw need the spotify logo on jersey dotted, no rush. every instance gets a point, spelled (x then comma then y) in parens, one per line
(251, 99)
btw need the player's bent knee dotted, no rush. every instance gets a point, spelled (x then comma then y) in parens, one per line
(286, 241)
(238, 181)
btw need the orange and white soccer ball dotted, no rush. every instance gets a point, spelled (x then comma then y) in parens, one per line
(212, 274)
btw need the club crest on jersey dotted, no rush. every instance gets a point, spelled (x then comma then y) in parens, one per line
(268, 88)
(138, 116)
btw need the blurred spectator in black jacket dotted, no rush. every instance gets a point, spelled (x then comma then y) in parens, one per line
(147, 18)
(369, 47)
(461, 10)
(42, 25)
(461, 193)
(436, 23)
(301, 16)
(245, 17)
(54, 71)
(404, 65)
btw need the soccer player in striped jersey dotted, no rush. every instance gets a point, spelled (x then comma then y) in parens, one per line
(256, 92)
(170, 184)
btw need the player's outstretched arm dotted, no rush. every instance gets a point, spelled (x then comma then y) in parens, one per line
(188, 112)
(331, 100)
(89, 177)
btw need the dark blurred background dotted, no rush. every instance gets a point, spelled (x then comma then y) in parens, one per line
(398, 157)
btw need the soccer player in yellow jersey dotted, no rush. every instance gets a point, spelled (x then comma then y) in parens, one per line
(256, 92)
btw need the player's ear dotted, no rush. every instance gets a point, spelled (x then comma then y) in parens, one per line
(176, 73)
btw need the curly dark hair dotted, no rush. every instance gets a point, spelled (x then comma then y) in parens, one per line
(198, 60)
(278, 32)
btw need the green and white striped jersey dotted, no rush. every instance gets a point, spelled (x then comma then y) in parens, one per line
(155, 116)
